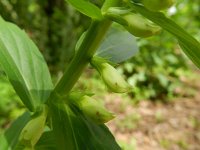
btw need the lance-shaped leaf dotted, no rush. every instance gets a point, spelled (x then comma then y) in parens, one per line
(24, 65)
(11, 136)
(190, 45)
(86, 8)
(76, 132)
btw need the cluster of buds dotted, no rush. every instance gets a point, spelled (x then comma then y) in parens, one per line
(94, 109)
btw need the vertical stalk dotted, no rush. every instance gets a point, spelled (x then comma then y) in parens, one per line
(87, 49)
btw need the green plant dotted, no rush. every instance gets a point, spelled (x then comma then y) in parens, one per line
(57, 117)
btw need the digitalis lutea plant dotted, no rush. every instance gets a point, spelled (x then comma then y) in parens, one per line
(71, 116)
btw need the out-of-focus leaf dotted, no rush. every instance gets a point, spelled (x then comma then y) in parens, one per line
(86, 8)
(24, 65)
(118, 46)
(10, 138)
(75, 132)
(190, 45)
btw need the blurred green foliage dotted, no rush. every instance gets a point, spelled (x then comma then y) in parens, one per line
(9, 101)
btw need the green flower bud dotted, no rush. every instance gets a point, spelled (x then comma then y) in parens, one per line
(140, 26)
(156, 5)
(94, 110)
(114, 81)
(33, 130)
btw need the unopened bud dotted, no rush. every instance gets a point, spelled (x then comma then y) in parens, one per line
(114, 81)
(140, 26)
(33, 130)
(94, 110)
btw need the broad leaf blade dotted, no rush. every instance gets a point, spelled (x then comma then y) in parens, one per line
(24, 65)
(10, 138)
(190, 45)
(118, 46)
(75, 132)
(86, 8)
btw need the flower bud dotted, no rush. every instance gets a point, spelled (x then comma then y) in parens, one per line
(114, 81)
(94, 110)
(156, 5)
(33, 130)
(140, 26)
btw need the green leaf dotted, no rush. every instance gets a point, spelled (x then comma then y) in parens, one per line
(24, 65)
(86, 8)
(46, 142)
(190, 45)
(118, 46)
(76, 132)
(10, 138)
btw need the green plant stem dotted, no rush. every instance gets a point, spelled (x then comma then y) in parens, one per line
(87, 49)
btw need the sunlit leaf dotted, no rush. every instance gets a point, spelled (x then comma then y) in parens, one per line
(24, 65)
